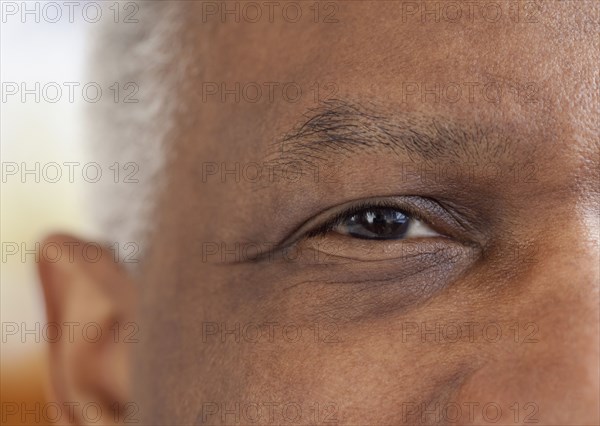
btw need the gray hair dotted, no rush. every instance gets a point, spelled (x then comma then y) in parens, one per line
(146, 54)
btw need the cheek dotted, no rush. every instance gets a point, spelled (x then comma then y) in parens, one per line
(328, 370)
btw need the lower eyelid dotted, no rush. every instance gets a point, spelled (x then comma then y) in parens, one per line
(339, 249)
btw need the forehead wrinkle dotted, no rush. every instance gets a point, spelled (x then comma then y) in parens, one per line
(343, 128)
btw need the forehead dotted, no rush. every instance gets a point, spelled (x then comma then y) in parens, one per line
(515, 62)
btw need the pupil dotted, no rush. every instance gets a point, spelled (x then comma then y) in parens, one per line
(381, 224)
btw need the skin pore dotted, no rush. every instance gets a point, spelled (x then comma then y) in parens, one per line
(505, 181)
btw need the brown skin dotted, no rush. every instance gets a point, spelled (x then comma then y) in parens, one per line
(374, 371)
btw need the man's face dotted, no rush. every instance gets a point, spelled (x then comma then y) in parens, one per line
(399, 227)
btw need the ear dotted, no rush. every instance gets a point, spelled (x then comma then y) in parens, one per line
(89, 304)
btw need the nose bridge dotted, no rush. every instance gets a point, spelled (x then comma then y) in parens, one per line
(550, 372)
(566, 276)
(560, 369)
(565, 308)
(565, 301)
(560, 274)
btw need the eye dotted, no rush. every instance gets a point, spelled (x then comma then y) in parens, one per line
(380, 223)
(376, 221)
(376, 229)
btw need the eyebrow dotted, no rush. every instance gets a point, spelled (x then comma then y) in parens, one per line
(340, 127)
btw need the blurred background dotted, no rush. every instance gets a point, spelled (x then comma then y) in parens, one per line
(36, 48)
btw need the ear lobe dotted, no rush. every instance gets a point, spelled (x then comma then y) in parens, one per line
(90, 306)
